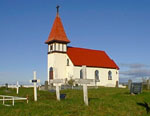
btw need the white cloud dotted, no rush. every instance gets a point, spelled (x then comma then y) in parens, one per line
(134, 66)
(134, 71)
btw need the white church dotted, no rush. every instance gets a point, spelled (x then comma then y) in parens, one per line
(66, 62)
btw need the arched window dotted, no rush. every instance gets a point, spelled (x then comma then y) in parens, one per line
(96, 75)
(81, 74)
(67, 62)
(51, 69)
(109, 75)
(51, 73)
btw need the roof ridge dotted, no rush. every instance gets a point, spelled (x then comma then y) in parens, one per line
(87, 49)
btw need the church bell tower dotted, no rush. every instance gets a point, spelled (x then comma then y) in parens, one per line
(57, 47)
(57, 40)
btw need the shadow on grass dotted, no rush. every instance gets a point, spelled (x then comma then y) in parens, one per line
(93, 99)
(145, 105)
(127, 93)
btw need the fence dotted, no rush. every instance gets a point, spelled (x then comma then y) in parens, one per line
(11, 98)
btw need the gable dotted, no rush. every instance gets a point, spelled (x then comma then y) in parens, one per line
(90, 58)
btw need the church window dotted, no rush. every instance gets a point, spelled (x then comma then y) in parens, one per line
(58, 47)
(50, 73)
(51, 47)
(67, 62)
(109, 75)
(55, 46)
(81, 74)
(96, 75)
(62, 47)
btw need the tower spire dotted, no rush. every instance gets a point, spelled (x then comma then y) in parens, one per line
(57, 33)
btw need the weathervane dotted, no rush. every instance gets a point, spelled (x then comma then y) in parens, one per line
(57, 8)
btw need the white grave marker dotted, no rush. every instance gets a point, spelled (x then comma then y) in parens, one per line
(35, 81)
(85, 81)
(17, 87)
(57, 82)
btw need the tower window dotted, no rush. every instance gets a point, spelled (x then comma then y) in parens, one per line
(109, 75)
(67, 62)
(62, 47)
(55, 46)
(51, 47)
(58, 47)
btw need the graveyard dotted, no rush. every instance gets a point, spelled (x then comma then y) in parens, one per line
(102, 102)
(94, 61)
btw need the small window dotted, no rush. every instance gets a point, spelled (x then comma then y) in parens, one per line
(55, 46)
(58, 47)
(51, 47)
(67, 62)
(96, 75)
(62, 47)
(81, 74)
(109, 75)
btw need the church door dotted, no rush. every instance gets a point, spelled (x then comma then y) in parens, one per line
(51, 73)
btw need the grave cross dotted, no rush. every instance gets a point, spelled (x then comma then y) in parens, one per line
(17, 87)
(57, 82)
(35, 81)
(85, 81)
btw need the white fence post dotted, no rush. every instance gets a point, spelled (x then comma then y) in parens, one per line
(27, 99)
(13, 102)
(3, 100)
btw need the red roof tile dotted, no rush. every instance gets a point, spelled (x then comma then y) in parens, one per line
(90, 58)
(57, 32)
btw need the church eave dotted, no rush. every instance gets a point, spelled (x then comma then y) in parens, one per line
(57, 41)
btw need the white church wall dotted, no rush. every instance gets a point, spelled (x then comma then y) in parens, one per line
(69, 69)
(59, 63)
(103, 75)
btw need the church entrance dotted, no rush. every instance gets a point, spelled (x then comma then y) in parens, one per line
(50, 73)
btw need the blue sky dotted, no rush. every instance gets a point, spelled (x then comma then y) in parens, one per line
(119, 27)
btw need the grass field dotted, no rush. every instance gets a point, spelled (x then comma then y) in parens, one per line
(102, 102)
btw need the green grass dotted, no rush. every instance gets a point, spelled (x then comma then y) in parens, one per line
(102, 102)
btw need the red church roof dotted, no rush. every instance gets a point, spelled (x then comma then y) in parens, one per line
(90, 58)
(57, 33)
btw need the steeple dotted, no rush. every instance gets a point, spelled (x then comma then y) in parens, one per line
(57, 33)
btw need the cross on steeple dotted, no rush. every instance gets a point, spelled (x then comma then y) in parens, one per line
(57, 8)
